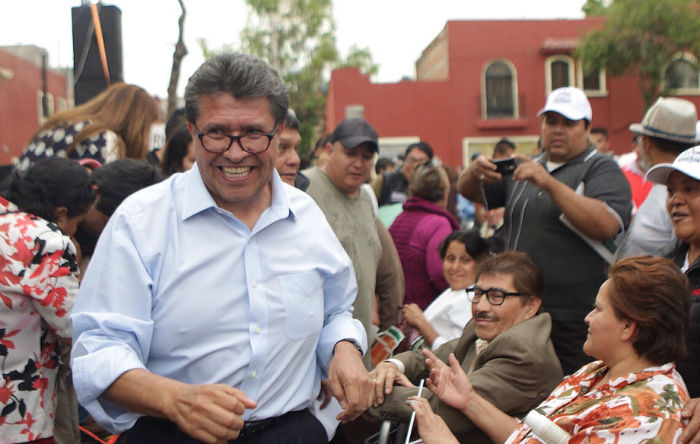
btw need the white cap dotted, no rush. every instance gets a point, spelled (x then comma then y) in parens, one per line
(687, 162)
(570, 102)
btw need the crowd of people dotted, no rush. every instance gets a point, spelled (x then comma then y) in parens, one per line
(215, 291)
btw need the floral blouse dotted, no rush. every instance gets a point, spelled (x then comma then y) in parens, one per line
(640, 407)
(38, 285)
(102, 146)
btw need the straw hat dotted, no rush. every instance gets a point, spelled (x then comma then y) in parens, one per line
(669, 118)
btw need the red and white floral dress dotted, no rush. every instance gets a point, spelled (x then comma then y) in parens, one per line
(640, 407)
(38, 285)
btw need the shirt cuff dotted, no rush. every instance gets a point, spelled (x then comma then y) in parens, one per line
(437, 343)
(399, 364)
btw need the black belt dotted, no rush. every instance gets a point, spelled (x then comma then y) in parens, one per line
(250, 428)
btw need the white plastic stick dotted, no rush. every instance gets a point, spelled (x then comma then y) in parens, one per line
(413, 415)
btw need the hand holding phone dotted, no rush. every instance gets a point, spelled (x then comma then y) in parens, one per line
(505, 166)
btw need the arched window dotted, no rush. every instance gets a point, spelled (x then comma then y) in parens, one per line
(559, 72)
(499, 90)
(681, 76)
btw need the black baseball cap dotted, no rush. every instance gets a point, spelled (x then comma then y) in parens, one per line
(352, 133)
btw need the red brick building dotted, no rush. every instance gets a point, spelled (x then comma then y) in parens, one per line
(479, 81)
(21, 93)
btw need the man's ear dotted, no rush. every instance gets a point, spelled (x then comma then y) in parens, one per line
(328, 147)
(533, 305)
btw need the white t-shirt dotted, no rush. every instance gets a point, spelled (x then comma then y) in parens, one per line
(448, 314)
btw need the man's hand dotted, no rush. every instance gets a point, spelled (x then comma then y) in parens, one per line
(211, 413)
(350, 382)
(691, 435)
(383, 375)
(325, 395)
(450, 384)
(484, 169)
(532, 172)
(431, 427)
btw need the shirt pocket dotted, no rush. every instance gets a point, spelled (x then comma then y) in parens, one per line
(302, 294)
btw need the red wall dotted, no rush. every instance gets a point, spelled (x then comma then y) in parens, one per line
(18, 102)
(443, 113)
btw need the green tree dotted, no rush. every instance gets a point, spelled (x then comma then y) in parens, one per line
(642, 37)
(594, 8)
(297, 38)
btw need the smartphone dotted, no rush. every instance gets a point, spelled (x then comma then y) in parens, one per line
(505, 166)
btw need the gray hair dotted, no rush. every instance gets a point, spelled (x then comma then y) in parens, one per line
(241, 75)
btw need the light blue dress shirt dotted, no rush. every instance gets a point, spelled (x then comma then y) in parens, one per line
(180, 287)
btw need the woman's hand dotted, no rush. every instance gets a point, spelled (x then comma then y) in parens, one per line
(449, 383)
(431, 427)
(413, 315)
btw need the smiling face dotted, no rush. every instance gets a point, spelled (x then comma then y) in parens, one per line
(683, 205)
(563, 139)
(288, 160)
(492, 320)
(347, 168)
(458, 267)
(236, 180)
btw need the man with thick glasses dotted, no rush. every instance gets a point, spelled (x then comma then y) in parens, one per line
(217, 300)
(505, 349)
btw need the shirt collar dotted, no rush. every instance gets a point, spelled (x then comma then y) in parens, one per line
(196, 196)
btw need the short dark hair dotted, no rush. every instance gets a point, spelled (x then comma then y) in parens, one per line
(423, 146)
(527, 276)
(477, 247)
(291, 122)
(670, 146)
(51, 183)
(175, 150)
(600, 130)
(429, 182)
(382, 164)
(119, 179)
(176, 120)
(653, 293)
(503, 146)
(242, 76)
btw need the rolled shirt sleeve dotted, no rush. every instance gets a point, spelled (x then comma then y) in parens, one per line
(112, 324)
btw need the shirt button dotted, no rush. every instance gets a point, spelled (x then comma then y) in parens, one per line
(258, 330)
(255, 285)
(253, 374)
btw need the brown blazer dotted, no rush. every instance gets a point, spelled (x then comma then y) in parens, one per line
(515, 372)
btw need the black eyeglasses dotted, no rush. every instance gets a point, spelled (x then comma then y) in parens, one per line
(495, 296)
(253, 142)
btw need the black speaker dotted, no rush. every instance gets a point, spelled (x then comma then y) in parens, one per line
(87, 64)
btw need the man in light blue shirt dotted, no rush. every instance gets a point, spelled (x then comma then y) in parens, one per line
(216, 300)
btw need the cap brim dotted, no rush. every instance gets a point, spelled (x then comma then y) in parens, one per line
(354, 142)
(570, 116)
(659, 173)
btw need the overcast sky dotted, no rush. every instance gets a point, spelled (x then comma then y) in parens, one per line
(396, 31)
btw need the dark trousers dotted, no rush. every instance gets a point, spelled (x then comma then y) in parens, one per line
(292, 427)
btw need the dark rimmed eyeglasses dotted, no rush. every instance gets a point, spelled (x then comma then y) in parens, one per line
(495, 296)
(253, 142)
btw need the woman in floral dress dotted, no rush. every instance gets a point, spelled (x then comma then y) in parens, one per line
(39, 212)
(631, 394)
